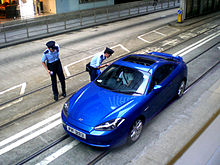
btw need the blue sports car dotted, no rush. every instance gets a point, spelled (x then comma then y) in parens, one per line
(112, 109)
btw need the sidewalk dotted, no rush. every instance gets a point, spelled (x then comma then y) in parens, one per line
(206, 149)
(19, 31)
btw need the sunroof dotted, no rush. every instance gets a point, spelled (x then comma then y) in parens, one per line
(139, 60)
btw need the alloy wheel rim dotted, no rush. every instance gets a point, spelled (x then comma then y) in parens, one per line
(181, 89)
(136, 130)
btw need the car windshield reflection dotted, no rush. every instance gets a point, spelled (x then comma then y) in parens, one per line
(123, 80)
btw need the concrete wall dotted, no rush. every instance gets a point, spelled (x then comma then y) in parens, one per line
(193, 8)
(64, 6)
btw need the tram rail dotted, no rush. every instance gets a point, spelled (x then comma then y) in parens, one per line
(107, 151)
(79, 73)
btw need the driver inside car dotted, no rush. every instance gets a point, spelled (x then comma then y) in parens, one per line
(125, 77)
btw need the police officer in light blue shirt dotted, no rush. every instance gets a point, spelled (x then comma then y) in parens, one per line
(51, 62)
(96, 63)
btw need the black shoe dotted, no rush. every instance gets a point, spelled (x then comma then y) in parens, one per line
(64, 94)
(56, 97)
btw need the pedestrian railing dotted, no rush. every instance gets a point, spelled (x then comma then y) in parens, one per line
(18, 31)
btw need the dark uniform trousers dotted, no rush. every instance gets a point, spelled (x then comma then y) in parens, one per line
(56, 68)
(93, 73)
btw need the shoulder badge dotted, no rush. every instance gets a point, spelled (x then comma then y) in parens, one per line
(46, 51)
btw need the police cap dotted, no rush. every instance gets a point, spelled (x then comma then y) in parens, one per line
(109, 51)
(50, 44)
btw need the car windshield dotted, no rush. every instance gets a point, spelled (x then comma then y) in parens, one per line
(123, 80)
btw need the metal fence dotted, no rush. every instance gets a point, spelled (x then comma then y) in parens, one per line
(18, 31)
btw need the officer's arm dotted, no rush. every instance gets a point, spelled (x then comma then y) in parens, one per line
(45, 66)
(43, 60)
(101, 66)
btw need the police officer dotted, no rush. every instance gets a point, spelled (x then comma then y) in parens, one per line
(52, 64)
(96, 63)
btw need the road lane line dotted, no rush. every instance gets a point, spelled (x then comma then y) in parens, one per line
(29, 137)
(60, 152)
(30, 129)
(22, 91)
(23, 86)
(197, 44)
(10, 104)
(14, 145)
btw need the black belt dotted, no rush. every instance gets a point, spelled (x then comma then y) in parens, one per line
(53, 63)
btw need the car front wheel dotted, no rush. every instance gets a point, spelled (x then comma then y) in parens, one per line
(181, 89)
(135, 131)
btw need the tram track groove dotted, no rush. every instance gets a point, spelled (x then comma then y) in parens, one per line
(74, 75)
(106, 152)
(42, 150)
(79, 73)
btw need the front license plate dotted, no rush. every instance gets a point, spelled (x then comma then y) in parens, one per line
(76, 132)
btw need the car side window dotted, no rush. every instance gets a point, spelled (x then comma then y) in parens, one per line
(161, 74)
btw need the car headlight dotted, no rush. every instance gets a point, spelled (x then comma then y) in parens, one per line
(66, 108)
(109, 125)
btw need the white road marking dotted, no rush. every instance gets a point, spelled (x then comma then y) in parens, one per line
(140, 37)
(66, 67)
(120, 45)
(197, 44)
(160, 33)
(154, 49)
(22, 91)
(30, 129)
(29, 137)
(23, 86)
(170, 42)
(60, 152)
(154, 31)
(57, 122)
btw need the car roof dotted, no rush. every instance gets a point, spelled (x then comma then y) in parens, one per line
(144, 62)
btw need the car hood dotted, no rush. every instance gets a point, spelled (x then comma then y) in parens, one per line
(92, 105)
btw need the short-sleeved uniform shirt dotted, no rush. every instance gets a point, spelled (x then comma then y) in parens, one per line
(97, 60)
(49, 56)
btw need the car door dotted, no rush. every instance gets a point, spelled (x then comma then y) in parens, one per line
(159, 95)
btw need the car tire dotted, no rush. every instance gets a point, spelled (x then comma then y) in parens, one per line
(135, 131)
(181, 89)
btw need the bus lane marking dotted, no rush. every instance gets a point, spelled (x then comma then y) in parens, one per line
(22, 91)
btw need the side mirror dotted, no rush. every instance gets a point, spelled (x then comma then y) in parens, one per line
(157, 87)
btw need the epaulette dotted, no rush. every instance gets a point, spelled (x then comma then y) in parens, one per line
(46, 51)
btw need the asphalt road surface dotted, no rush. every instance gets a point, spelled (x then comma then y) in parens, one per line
(30, 125)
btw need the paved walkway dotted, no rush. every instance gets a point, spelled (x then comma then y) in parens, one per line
(206, 149)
